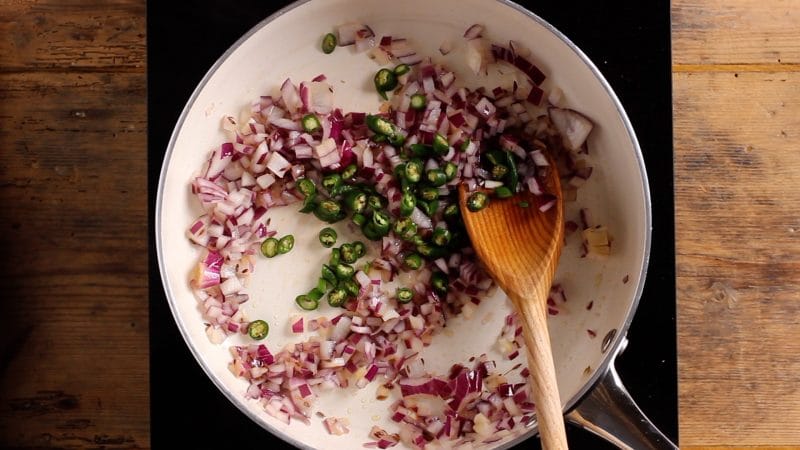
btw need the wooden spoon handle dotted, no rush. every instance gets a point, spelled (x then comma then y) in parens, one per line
(543, 374)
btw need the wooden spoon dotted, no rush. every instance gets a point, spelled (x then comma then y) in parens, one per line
(520, 247)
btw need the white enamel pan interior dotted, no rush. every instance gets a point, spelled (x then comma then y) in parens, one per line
(286, 44)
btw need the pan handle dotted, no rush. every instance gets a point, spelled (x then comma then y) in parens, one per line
(609, 412)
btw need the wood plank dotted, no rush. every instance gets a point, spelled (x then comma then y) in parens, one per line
(61, 35)
(737, 174)
(738, 32)
(74, 225)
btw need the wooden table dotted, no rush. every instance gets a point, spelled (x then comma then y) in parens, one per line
(73, 224)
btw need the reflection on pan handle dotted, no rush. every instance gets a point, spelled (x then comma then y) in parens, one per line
(609, 412)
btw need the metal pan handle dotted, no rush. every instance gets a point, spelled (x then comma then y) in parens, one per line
(609, 412)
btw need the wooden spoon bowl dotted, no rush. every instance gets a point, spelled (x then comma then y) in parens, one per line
(519, 245)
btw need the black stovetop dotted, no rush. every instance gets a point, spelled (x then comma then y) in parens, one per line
(629, 42)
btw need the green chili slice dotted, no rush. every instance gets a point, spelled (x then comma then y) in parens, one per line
(513, 175)
(499, 171)
(439, 283)
(269, 247)
(336, 256)
(285, 244)
(441, 237)
(405, 228)
(420, 150)
(413, 261)
(350, 286)
(440, 145)
(331, 182)
(407, 204)
(258, 329)
(309, 204)
(429, 194)
(385, 80)
(451, 211)
(382, 221)
(402, 69)
(344, 271)
(327, 237)
(413, 170)
(328, 274)
(477, 201)
(375, 202)
(379, 125)
(310, 123)
(436, 177)
(450, 170)
(502, 192)
(355, 201)
(323, 285)
(419, 102)
(359, 219)
(306, 187)
(315, 294)
(359, 248)
(337, 297)
(328, 43)
(431, 251)
(329, 211)
(404, 295)
(348, 253)
(306, 302)
(349, 171)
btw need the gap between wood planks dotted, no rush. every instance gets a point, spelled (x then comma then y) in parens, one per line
(768, 68)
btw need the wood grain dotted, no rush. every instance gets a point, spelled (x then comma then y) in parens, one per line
(736, 103)
(74, 225)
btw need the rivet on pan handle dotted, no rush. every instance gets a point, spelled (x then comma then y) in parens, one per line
(609, 412)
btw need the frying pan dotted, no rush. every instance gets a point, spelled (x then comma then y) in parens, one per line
(285, 45)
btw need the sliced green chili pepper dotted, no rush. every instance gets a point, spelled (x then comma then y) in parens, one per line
(439, 283)
(502, 192)
(350, 286)
(429, 194)
(407, 204)
(499, 171)
(328, 43)
(310, 123)
(331, 182)
(419, 101)
(463, 147)
(440, 145)
(315, 294)
(349, 171)
(402, 69)
(337, 297)
(359, 219)
(513, 175)
(420, 150)
(431, 251)
(285, 244)
(385, 80)
(348, 253)
(375, 202)
(477, 201)
(379, 125)
(328, 274)
(450, 170)
(413, 261)
(441, 237)
(370, 232)
(344, 271)
(355, 201)
(310, 203)
(429, 208)
(496, 157)
(306, 187)
(336, 256)
(382, 221)
(397, 139)
(405, 228)
(436, 177)
(523, 204)
(413, 170)
(306, 302)
(323, 285)
(451, 211)
(359, 248)
(327, 237)
(258, 329)
(329, 211)
(404, 295)
(269, 247)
